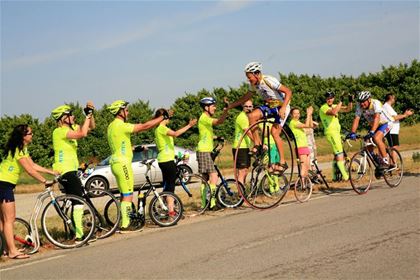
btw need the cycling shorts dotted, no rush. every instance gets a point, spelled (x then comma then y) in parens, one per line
(335, 140)
(274, 113)
(6, 192)
(304, 151)
(123, 173)
(384, 128)
(393, 139)
(71, 183)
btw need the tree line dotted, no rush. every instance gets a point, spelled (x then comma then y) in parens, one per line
(402, 80)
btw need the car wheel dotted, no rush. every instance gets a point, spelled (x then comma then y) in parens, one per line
(97, 183)
(185, 171)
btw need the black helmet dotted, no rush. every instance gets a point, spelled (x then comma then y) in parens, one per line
(329, 94)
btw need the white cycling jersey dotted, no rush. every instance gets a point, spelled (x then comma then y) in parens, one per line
(269, 89)
(375, 107)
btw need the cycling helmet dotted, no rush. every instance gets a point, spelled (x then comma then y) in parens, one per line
(116, 106)
(363, 96)
(207, 101)
(329, 94)
(253, 67)
(60, 111)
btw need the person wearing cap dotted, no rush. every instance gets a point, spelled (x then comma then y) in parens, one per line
(328, 114)
(277, 105)
(65, 138)
(119, 133)
(206, 144)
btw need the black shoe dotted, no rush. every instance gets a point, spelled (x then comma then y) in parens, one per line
(383, 166)
(130, 229)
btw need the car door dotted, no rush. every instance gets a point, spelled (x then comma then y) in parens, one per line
(139, 169)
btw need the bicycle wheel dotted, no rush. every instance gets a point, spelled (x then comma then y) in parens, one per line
(107, 211)
(59, 225)
(360, 172)
(394, 174)
(185, 172)
(228, 195)
(274, 184)
(159, 210)
(22, 236)
(303, 189)
(200, 200)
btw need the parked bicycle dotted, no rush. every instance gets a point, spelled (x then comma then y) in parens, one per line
(158, 206)
(363, 162)
(56, 221)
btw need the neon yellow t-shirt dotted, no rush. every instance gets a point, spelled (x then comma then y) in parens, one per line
(165, 144)
(65, 150)
(329, 122)
(241, 124)
(119, 141)
(10, 167)
(299, 134)
(205, 130)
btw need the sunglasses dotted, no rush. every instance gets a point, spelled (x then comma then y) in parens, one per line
(249, 106)
(29, 133)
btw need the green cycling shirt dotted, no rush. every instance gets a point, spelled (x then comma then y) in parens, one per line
(65, 150)
(205, 130)
(241, 124)
(329, 122)
(119, 133)
(299, 134)
(10, 167)
(165, 144)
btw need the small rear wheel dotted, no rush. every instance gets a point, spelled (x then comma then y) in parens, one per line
(159, 209)
(303, 189)
(394, 174)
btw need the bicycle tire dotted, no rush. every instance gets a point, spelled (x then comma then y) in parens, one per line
(194, 205)
(59, 229)
(159, 212)
(303, 189)
(360, 173)
(232, 199)
(252, 194)
(185, 172)
(394, 175)
(269, 186)
(102, 202)
(22, 236)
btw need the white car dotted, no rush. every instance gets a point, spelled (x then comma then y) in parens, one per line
(100, 176)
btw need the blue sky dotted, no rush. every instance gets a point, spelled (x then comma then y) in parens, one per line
(56, 52)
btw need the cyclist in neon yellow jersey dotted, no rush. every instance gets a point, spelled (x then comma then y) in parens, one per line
(241, 124)
(65, 138)
(301, 140)
(277, 97)
(205, 145)
(119, 133)
(328, 114)
(164, 138)
(16, 159)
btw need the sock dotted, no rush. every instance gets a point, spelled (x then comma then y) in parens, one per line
(125, 211)
(78, 217)
(343, 171)
(334, 177)
(203, 195)
(213, 195)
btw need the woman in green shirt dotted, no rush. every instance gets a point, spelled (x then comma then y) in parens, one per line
(16, 159)
(302, 142)
(164, 138)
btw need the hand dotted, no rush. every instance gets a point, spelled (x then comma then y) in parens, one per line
(352, 136)
(351, 98)
(56, 173)
(309, 110)
(282, 112)
(192, 122)
(226, 101)
(89, 109)
(408, 112)
(369, 135)
(49, 183)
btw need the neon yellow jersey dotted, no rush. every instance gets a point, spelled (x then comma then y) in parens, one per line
(10, 167)
(299, 133)
(241, 124)
(205, 130)
(65, 150)
(119, 141)
(165, 144)
(330, 123)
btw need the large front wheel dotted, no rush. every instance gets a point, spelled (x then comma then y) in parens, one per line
(361, 172)
(159, 210)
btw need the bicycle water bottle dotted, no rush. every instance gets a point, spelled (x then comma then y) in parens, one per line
(141, 200)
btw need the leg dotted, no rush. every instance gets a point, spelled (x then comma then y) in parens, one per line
(8, 212)
(124, 175)
(276, 131)
(253, 117)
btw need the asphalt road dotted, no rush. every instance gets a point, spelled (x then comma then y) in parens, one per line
(339, 236)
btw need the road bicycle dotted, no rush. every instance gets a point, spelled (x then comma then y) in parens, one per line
(56, 221)
(363, 162)
(158, 206)
(253, 193)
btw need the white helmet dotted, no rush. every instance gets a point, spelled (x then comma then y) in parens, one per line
(253, 67)
(363, 96)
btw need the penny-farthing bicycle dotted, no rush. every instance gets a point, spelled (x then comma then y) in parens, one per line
(257, 194)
